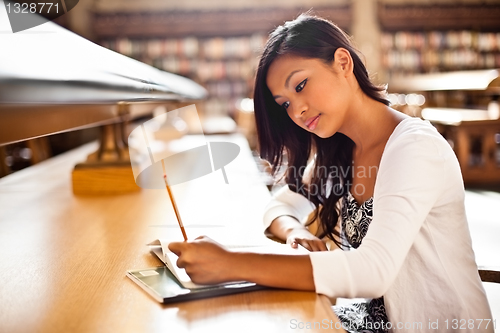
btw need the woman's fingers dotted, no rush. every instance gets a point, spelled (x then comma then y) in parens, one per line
(180, 262)
(309, 244)
(176, 247)
(303, 237)
(205, 260)
(319, 246)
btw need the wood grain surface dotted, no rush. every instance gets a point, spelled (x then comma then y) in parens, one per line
(63, 258)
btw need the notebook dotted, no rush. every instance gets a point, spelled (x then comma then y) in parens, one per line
(170, 283)
(162, 285)
(160, 249)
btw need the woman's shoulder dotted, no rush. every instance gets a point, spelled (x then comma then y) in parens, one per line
(414, 126)
(415, 133)
(416, 144)
(417, 154)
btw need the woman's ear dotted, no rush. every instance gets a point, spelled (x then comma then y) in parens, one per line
(342, 61)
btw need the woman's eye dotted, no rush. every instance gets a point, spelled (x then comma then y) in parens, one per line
(301, 86)
(285, 105)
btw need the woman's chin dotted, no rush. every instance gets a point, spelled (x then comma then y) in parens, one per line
(323, 134)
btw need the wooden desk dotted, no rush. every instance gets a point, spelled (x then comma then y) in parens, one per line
(63, 258)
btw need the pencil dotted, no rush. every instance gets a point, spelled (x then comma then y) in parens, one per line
(173, 202)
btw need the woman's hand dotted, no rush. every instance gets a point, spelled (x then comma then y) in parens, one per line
(303, 237)
(289, 229)
(205, 261)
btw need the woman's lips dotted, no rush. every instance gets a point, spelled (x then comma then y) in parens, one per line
(312, 122)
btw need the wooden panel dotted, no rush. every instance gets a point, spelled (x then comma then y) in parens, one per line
(21, 122)
(487, 170)
(206, 23)
(481, 17)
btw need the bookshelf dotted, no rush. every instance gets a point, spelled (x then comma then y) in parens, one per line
(427, 39)
(407, 52)
(439, 38)
(223, 65)
(448, 54)
(221, 51)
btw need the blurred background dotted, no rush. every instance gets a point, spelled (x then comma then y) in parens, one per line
(439, 58)
(217, 44)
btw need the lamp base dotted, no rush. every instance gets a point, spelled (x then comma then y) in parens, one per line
(103, 178)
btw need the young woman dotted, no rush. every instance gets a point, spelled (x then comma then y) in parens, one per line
(381, 182)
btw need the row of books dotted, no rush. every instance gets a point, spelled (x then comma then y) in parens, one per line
(220, 106)
(190, 47)
(431, 59)
(466, 39)
(205, 70)
(227, 89)
(225, 66)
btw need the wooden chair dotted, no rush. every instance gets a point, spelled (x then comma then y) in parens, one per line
(492, 275)
(489, 274)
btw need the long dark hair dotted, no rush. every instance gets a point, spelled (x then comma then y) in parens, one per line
(308, 36)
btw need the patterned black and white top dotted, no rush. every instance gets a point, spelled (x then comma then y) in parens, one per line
(359, 317)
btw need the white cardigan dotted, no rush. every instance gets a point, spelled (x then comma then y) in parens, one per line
(417, 252)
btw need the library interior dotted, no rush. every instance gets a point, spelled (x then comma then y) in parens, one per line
(93, 98)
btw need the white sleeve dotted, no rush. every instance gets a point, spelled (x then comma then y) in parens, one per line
(287, 202)
(410, 178)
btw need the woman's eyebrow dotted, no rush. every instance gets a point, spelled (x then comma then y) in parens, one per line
(287, 81)
(289, 76)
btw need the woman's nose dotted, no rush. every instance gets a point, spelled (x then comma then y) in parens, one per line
(299, 110)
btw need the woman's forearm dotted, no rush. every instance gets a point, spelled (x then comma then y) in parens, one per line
(281, 271)
(207, 262)
(283, 225)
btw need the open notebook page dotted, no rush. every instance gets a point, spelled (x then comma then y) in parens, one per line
(160, 249)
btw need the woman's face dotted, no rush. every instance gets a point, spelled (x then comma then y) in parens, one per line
(315, 95)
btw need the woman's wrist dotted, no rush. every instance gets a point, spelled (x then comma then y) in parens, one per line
(242, 266)
(283, 226)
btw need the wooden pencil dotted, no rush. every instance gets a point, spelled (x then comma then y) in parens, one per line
(173, 202)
